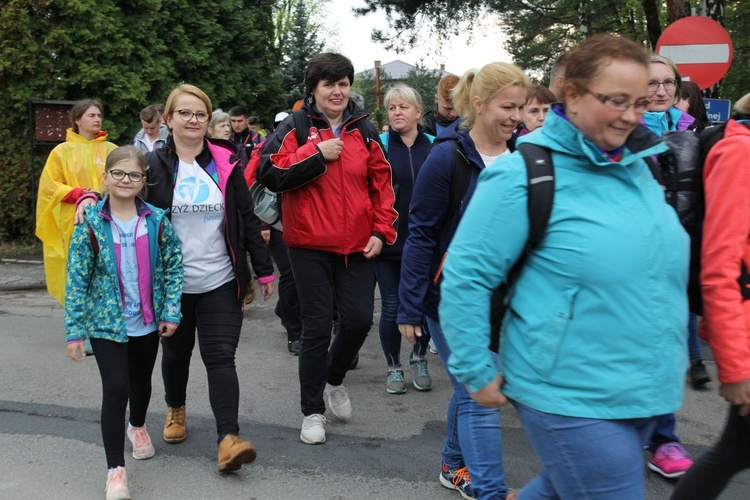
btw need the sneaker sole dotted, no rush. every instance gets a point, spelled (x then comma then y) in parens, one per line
(669, 475)
(395, 391)
(144, 457)
(446, 484)
(311, 441)
(423, 388)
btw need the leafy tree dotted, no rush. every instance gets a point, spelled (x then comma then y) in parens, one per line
(425, 82)
(735, 85)
(364, 83)
(540, 30)
(128, 54)
(298, 47)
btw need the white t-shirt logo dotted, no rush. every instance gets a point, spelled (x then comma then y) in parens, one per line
(193, 190)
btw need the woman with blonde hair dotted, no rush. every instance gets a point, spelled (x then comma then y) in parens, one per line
(407, 145)
(201, 182)
(489, 102)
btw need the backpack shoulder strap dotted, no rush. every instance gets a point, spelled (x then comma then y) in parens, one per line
(301, 126)
(460, 178)
(708, 138)
(540, 173)
(367, 131)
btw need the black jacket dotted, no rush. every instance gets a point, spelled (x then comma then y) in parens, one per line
(241, 226)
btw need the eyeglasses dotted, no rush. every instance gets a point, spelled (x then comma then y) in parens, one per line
(119, 175)
(669, 84)
(188, 115)
(621, 104)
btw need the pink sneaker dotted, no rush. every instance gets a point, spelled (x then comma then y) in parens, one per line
(117, 485)
(670, 460)
(142, 447)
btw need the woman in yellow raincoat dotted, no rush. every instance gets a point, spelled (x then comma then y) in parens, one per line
(73, 168)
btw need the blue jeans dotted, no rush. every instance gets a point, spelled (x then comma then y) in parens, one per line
(585, 458)
(473, 436)
(694, 343)
(389, 275)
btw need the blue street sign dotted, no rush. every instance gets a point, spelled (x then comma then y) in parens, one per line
(718, 109)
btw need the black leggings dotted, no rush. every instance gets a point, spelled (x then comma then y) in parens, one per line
(711, 473)
(126, 370)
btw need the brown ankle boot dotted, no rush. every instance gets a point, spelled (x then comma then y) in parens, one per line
(233, 452)
(174, 428)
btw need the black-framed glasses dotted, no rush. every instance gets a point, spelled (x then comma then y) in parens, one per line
(669, 84)
(619, 103)
(188, 115)
(119, 175)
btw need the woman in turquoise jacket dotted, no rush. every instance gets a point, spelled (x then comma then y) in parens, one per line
(593, 345)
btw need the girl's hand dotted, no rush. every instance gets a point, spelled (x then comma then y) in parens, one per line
(266, 289)
(87, 202)
(166, 329)
(76, 350)
(737, 394)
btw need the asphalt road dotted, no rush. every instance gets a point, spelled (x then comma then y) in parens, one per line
(50, 442)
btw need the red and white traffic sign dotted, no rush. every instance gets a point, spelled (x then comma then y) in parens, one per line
(700, 47)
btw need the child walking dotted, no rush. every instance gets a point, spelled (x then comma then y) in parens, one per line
(123, 291)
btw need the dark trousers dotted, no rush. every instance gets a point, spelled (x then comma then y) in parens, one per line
(217, 316)
(320, 277)
(126, 370)
(712, 471)
(388, 272)
(287, 307)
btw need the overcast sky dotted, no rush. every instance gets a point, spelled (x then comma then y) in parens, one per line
(351, 37)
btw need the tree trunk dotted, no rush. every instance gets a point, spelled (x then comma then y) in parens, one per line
(653, 28)
(676, 9)
(715, 10)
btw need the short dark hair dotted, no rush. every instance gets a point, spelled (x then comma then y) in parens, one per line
(80, 107)
(149, 114)
(327, 66)
(558, 68)
(542, 95)
(253, 120)
(238, 111)
(696, 106)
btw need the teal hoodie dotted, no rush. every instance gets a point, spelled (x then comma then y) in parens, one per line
(598, 315)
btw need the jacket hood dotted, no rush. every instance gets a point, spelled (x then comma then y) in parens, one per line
(72, 136)
(560, 135)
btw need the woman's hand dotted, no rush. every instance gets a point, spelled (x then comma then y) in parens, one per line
(166, 329)
(410, 332)
(266, 234)
(373, 248)
(266, 289)
(76, 351)
(331, 148)
(86, 202)
(490, 395)
(737, 394)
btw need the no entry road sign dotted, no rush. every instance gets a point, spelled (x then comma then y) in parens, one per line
(700, 47)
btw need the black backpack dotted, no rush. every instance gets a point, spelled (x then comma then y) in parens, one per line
(681, 174)
(540, 173)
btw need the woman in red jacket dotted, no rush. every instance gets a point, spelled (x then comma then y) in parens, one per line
(725, 256)
(337, 210)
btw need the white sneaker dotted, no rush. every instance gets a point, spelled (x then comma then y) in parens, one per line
(337, 400)
(313, 429)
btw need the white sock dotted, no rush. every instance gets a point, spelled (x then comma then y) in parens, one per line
(113, 470)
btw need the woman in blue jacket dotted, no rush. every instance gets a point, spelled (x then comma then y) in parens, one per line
(407, 146)
(490, 103)
(593, 344)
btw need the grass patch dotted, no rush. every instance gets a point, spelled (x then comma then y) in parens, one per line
(21, 249)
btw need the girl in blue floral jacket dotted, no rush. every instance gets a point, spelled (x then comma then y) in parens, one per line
(123, 291)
